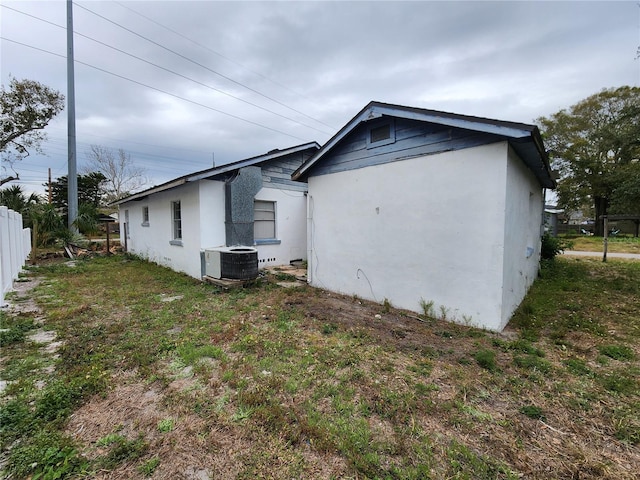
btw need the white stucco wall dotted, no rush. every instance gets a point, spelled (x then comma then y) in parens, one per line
(429, 228)
(212, 214)
(291, 227)
(203, 226)
(153, 241)
(523, 217)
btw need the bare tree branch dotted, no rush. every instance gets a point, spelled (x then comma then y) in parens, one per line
(123, 176)
(8, 179)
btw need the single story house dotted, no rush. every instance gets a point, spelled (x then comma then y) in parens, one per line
(428, 210)
(252, 202)
(551, 214)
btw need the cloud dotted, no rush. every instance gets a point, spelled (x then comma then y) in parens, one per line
(315, 63)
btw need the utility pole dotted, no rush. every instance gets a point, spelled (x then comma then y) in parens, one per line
(72, 192)
(50, 193)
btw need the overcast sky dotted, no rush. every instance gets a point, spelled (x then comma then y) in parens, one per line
(175, 82)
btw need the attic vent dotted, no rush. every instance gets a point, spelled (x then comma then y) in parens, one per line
(380, 133)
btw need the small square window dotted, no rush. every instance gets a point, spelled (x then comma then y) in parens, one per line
(380, 134)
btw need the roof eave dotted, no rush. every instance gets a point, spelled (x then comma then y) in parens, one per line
(376, 110)
(144, 193)
(251, 161)
(214, 171)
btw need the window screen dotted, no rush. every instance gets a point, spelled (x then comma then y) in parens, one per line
(264, 219)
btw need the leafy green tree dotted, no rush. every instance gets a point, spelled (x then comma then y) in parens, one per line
(91, 195)
(18, 201)
(27, 108)
(90, 190)
(47, 224)
(87, 219)
(625, 198)
(595, 146)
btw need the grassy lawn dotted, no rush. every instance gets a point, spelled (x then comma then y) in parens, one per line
(587, 243)
(159, 376)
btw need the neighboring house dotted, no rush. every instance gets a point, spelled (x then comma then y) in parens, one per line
(551, 214)
(252, 202)
(428, 210)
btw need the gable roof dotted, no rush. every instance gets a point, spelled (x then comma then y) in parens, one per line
(215, 171)
(524, 138)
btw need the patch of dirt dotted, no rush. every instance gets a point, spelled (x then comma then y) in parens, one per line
(134, 410)
(195, 449)
(21, 301)
(47, 339)
(42, 336)
(401, 330)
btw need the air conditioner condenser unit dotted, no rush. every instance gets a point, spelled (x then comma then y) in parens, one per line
(234, 263)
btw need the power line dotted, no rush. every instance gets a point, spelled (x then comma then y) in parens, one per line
(33, 16)
(203, 84)
(150, 161)
(174, 72)
(204, 66)
(157, 89)
(175, 32)
(205, 152)
(137, 154)
(54, 143)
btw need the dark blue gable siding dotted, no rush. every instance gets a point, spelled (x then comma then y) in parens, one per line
(412, 139)
(277, 173)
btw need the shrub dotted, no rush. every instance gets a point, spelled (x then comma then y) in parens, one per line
(552, 246)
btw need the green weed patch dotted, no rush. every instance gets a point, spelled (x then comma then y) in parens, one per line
(268, 382)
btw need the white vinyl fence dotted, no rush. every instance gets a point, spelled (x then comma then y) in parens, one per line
(15, 246)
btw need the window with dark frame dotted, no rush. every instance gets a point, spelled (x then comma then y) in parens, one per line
(176, 217)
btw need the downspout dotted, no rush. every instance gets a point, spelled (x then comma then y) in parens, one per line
(544, 203)
(309, 239)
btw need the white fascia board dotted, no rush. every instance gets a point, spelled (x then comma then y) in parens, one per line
(452, 120)
(150, 191)
(250, 161)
